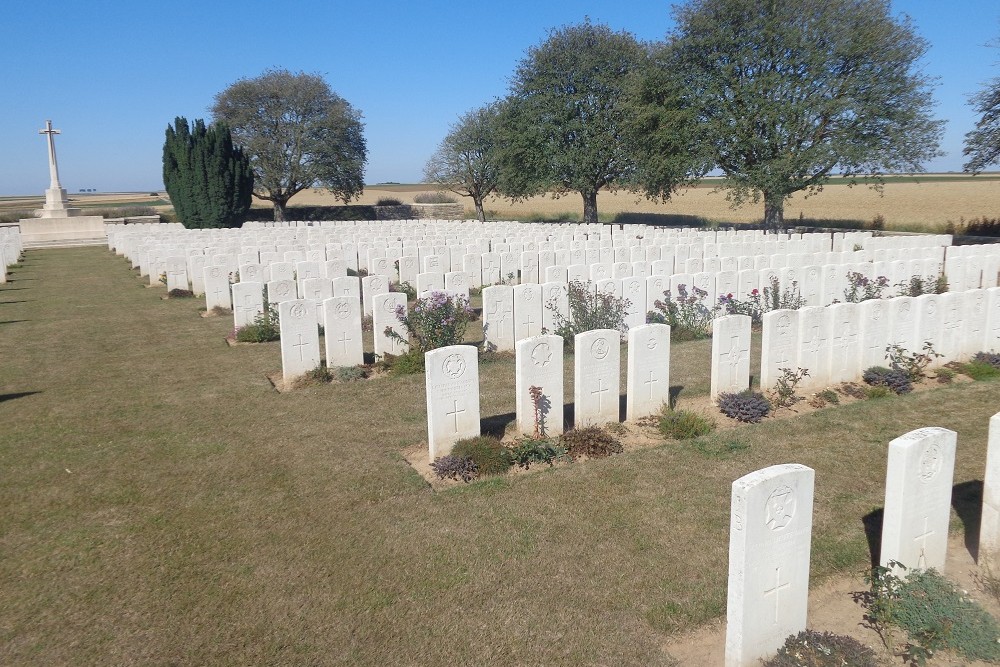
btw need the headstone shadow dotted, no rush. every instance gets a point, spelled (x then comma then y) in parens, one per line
(496, 425)
(967, 501)
(675, 392)
(20, 394)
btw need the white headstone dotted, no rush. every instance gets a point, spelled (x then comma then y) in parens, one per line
(279, 291)
(342, 331)
(845, 344)
(452, 381)
(217, 287)
(597, 369)
(647, 384)
(248, 303)
(918, 483)
(498, 317)
(299, 338)
(779, 340)
(555, 305)
(388, 309)
(730, 354)
(539, 363)
(989, 525)
(770, 534)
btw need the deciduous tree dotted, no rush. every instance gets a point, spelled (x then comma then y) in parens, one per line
(466, 160)
(564, 125)
(982, 145)
(209, 180)
(298, 134)
(782, 95)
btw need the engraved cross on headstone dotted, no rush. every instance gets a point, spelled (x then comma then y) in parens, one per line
(776, 591)
(455, 413)
(600, 393)
(301, 344)
(650, 382)
(922, 538)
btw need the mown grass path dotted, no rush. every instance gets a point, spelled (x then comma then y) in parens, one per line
(163, 505)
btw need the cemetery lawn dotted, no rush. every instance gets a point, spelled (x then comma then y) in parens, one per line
(164, 505)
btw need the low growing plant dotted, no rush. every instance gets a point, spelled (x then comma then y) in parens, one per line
(746, 406)
(263, 329)
(408, 363)
(405, 288)
(684, 424)
(980, 370)
(348, 373)
(177, 293)
(918, 285)
(989, 358)
(862, 288)
(455, 467)
(592, 442)
(783, 394)
(913, 364)
(528, 451)
(893, 379)
(486, 452)
(811, 648)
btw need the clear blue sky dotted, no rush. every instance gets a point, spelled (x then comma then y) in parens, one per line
(112, 74)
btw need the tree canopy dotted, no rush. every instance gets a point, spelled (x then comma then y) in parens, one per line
(297, 133)
(466, 160)
(982, 145)
(209, 180)
(781, 95)
(563, 127)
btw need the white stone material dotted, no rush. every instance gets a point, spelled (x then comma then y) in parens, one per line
(498, 317)
(918, 485)
(634, 291)
(342, 331)
(457, 282)
(347, 286)
(299, 338)
(217, 288)
(730, 354)
(647, 384)
(370, 286)
(279, 291)
(429, 281)
(555, 305)
(539, 363)
(527, 310)
(779, 340)
(770, 534)
(451, 378)
(176, 270)
(845, 345)
(813, 347)
(248, 303)
(596, 381)
(989, 526)
(384, 316)
(874, 332)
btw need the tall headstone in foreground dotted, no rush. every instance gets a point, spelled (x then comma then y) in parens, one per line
(539, 363)
(918, 498)
(989, 527)
(730, 354)
(596, 372)
(770, 533)
(452, 380)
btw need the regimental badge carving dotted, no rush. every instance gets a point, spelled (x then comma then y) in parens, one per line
(216, 272)
(930, 463)
(600, 348)
(780, 508)
(528, 295)
(651, 343)
(297, 311)
(342, 310)
(283, 289)
(541, 355)
(388, 305)
(453, 366)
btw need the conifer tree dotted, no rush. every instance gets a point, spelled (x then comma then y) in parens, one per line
(209, 179)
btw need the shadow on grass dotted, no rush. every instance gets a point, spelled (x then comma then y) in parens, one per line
(3, 302)
(496, 425)
(675, 392)
(13, 321)
(660, 219)
(20, 394)
(966, 500)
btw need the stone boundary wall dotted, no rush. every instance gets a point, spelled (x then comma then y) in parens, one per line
(421, 212)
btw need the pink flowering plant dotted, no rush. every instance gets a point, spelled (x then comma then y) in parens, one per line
(862, 288)
(689, 313)
(434, 321)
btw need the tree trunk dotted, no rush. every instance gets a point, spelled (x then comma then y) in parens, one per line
(774, 212)
(280, 212)
(480, 213)
(589, 207)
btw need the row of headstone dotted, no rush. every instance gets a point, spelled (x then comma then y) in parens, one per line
(770, 535)
(340, 316)
(837, 343)
(10, 249)
(451, 376)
